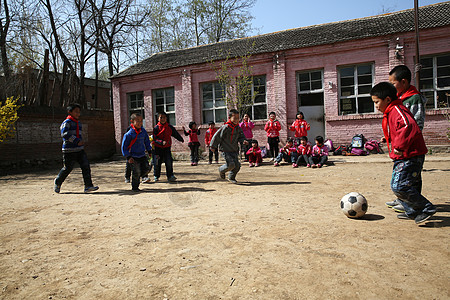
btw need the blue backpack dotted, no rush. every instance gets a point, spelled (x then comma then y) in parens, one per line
(358, 141)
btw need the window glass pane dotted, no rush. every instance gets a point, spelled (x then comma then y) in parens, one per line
(260, 90)
(159, 101)
(208, 116)
(159, 108)
(364, 89)
(443, 71)
(427, 62)
(443, 60)
(426, 84)
(221, 115)
(207, 96)
(443, 82)
(133, 104)
(365, 105)
(171, 119)
(220, 103)
(260, 112)
(430, 99)
(347, 81)
(169, 92)
(259, 80)
(347, 91)
(170, 100)
(347, 106)
(443, 99)
(365, 79)
(159, 94)
(260, 99)
(304, 86)
(218, 94)
(346, 72)
(311, 99)
(208, 104)
(316, 85)
(207, 87)
(170, 107)
(303, 77)
(316, 75)
(364, 70)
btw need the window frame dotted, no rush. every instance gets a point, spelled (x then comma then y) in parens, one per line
(140, 109)
(435, 89)
(311, 91)
(253, 96)
(355, 88)
(165, 104)
(213, 108)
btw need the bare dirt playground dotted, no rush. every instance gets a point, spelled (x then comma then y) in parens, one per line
(278, 234)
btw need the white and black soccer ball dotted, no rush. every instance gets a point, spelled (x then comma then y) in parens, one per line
(354, 205)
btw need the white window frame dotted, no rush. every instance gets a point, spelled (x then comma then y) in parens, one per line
(137, 109)
(355, 92)
(171, 114)
(435, 89)
(311, 91)
(214, 107)
(253, 95)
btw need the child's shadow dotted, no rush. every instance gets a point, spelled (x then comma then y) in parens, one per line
(437, 220)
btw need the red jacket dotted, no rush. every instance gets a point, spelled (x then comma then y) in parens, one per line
(304, 149)
(300, 127)
(272, 128)
(402, 132)
(209, 135)
(255, 151)
(163, 133)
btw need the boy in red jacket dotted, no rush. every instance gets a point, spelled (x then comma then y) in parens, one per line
(407, 149)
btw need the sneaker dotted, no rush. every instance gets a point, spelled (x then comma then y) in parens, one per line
(222, 175)
(251, 165)
(319, 166)
(232, 180)
(192, 164)
(127, 180)
(308, 166)
(145, 179)
(155, 179)
(422, 217)
(257, 165)
(90, 189)
(398, 208)
(404, 216)
(272, 159)
(136, 190)
(276, 164)
(294, 165)
(392, 203)
(57, 188)
(314, 166)
(217, 161)
(210, 163)
(172, 179)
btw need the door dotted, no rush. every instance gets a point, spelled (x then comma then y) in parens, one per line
(314, 115)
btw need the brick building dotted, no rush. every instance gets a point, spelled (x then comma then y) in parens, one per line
(325, 71)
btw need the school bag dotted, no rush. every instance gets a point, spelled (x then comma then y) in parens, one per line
(340, 150)
(329, 144)
(359, 151)
(373, 146)
(263, 151)
(358, 141)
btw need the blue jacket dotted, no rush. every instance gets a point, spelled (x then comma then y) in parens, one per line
(69, 136)
(138, 148)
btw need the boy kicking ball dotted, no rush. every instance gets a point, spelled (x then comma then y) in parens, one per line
(407, 149)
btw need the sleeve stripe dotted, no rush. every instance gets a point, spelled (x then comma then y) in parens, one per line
(401, 114)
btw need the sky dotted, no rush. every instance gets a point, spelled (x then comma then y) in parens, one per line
(275, 15)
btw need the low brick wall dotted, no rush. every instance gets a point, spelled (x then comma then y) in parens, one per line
(38, 140)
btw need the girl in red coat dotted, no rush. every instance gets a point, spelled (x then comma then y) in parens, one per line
(193, 144)
(273, 128)
(254, 155)
(300, 127)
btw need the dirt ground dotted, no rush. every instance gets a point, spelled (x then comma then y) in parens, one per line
(278, 234)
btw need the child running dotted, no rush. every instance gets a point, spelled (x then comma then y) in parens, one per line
(227, 139)
(407, 149)
(162, 136)
(134, 144)
(300, 127)
(319, 153)
(288, 153)
(73, 150)
(273, 128)
(193, 144)
(254, 155)
(208, 137)
(247, 127)
(304, 152)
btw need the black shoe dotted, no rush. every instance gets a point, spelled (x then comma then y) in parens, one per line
(136, 190)
(222, 175)
(422, 217)
(404, 216)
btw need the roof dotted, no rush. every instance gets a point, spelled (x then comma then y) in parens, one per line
(431, 16)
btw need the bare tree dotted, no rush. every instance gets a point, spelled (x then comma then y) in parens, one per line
(5, 21)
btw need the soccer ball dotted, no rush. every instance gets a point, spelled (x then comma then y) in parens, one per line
(354, 205)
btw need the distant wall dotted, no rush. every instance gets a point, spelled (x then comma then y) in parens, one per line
(38, 140)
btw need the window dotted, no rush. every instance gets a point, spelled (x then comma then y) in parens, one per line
(258, 111)
(214, 107)
(164, 101)
(435, 81)
(355, 83)
(136, 104)
(310, 88)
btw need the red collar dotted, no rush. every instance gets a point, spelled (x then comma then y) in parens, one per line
(410, 92)
(76, 121)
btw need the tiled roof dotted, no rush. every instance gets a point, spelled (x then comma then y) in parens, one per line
(431, 16)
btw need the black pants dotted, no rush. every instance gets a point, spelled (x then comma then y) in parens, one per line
(303, 158)
(216, 155)
(163, 155)
(313, 160)
(273, 145)
(194, 151)
(246, 147)
(69, 160)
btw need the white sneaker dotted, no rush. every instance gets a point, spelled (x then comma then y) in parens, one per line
(272, 159)
(145, 179)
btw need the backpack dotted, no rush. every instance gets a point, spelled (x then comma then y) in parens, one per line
(329, 144)
(373, 146)
(263, 151)
(359, 151)
(340, 150)
(358, 141)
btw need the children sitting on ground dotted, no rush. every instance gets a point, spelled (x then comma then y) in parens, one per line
(319, 153)
(273, 128)
(407, 149)
(208, 137)
(300, 127)
(134, 144)
(73, 150)
(288, 153)
(227, 139)
(162, 135)
(193, 143)
(254, 155)
(304, 152)
(247, 127)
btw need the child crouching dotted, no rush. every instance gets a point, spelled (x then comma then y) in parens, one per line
(254, 155)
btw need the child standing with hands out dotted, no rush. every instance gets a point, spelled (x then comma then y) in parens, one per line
(134, 144)
(273, 128)
(254, 155)
(247, 127)
(193, 144)
(208, 137)
(300, 127)
(407, 149)
(319, 153)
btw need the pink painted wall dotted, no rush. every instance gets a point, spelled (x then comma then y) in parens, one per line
(280, 70)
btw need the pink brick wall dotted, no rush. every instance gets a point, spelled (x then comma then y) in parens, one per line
(280, 69)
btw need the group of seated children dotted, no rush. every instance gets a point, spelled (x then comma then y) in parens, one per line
(314, 157)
